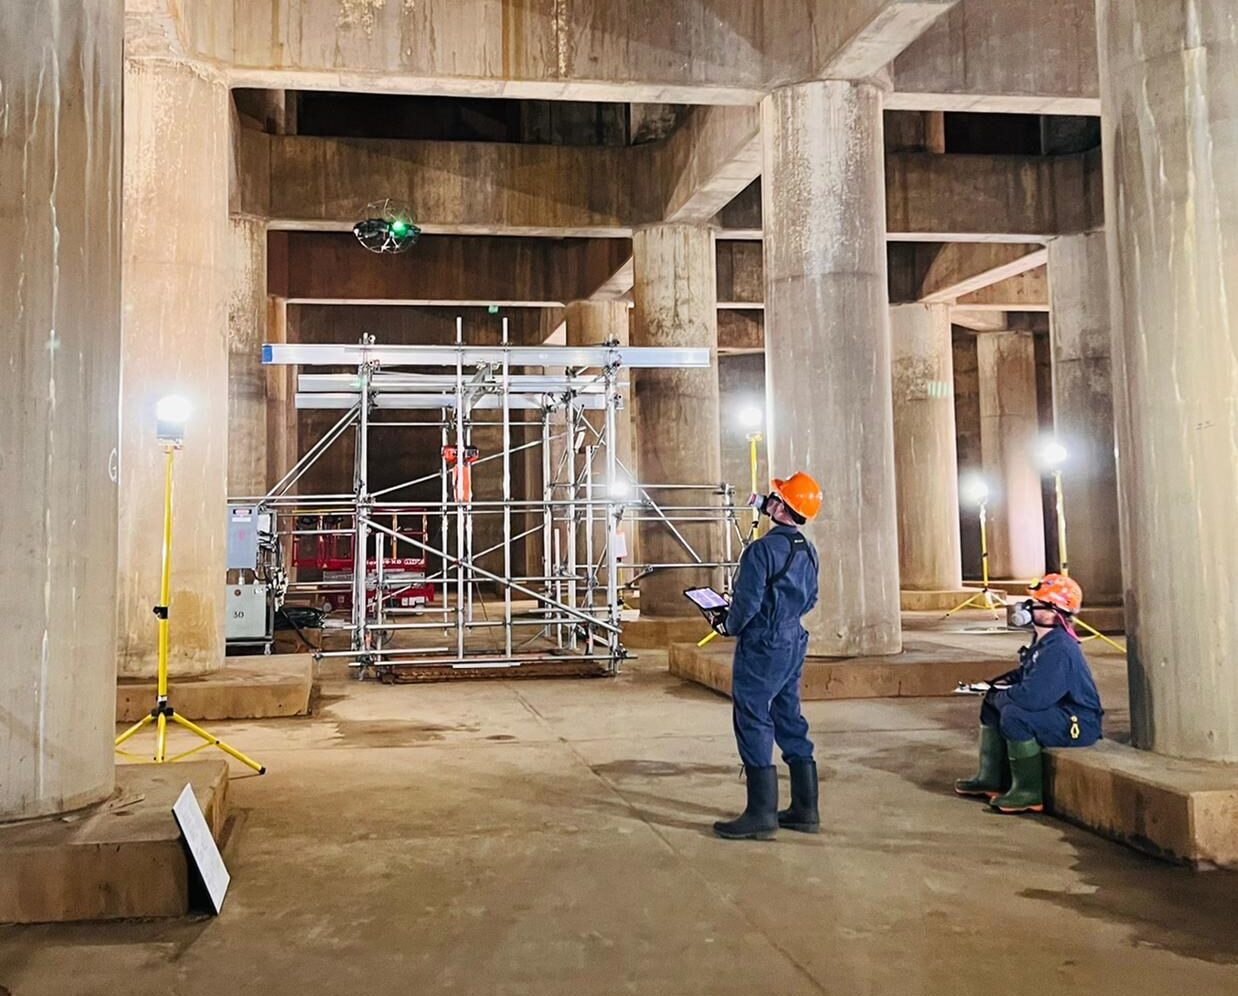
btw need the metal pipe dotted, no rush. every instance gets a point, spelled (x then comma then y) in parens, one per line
(507, 494)
(312, 454)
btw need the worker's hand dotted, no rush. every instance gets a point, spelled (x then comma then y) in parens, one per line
(717, 619)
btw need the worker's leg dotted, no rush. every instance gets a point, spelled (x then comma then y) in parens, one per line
(791, 734)
(751, 697)
(991, 769)
(790, 726)
(1021, 729)
(754, 735)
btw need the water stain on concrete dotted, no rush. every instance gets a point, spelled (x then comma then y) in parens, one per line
(394, 733)
(1188, 913)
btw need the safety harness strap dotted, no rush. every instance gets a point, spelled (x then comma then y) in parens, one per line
(798, 544)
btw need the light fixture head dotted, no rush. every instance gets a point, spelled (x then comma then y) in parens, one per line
(1053, 454)
(751, 417)
(975, 490)
(171, 414)
(621, 487)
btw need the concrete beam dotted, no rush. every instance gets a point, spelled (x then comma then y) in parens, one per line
(473, 188)
(962, 268)
(647, 51)
(969, 198)
(741, 330)
(709, 160)
(824, 39)
(1014, 57)
(965, 198)
(1026, 292)
(618, 284)
(444, 269)
(487, 188)
(741, 272)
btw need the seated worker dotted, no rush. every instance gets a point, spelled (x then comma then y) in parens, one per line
(1051, 702)
(776, 585)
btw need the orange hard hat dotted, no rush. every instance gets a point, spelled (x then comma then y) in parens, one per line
(1059, 591)
(801, 493)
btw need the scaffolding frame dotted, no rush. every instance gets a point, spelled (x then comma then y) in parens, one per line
(587, 496)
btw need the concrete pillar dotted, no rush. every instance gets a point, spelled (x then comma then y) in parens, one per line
(925, 453)
(592, 323)
(59, 401)
(1169, 73)
(247, 377)
(677, 410)
(176, 274)
(827, 328)
(1083, 412)
(1009, 444)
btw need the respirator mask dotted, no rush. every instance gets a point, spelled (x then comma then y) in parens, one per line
(760, 502)
(1021, 615)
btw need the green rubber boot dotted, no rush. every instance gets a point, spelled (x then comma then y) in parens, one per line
(1027, 779)
(988, 780)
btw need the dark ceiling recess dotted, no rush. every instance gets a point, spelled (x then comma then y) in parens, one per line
(1020, 134)
(461, 119)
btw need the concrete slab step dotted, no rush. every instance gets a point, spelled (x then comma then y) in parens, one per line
(123, 858)
(1185, 811)
(924, 669)
(245, 688)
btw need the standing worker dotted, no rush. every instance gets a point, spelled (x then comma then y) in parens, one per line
(776, 585)
(1051, 701)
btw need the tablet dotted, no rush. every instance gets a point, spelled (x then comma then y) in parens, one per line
(705, 598)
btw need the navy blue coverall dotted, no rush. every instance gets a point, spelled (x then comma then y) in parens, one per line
(1052, 698)
(776, 585)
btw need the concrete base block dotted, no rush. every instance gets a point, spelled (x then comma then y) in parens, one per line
(935, 601)
(122, 858)
(1185, 811)
(923, 669)
(653, 633)
(245, 688)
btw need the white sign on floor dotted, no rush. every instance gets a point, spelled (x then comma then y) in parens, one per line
(205, 854)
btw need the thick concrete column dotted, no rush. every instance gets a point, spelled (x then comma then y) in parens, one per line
(1009, 441)
(1083, 412)
(592, 323)
(925, 449)
(176, 279)
(247, 378)
(1169, 75)
(60, 159)
(677, 410)
(827, 328)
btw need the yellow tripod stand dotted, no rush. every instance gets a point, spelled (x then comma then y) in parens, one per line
(986, 597)
(163, 713)
(1064, 563)
(754, 438)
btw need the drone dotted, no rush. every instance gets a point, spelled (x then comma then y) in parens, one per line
(387, 227)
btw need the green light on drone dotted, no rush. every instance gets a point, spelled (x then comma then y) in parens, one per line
(399, 229)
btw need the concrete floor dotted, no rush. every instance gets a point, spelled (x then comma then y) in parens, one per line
(552, 837)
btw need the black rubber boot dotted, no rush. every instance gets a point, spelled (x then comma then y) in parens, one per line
(1027, 781)
(802, 815)
(759, 821)
(988, 779)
